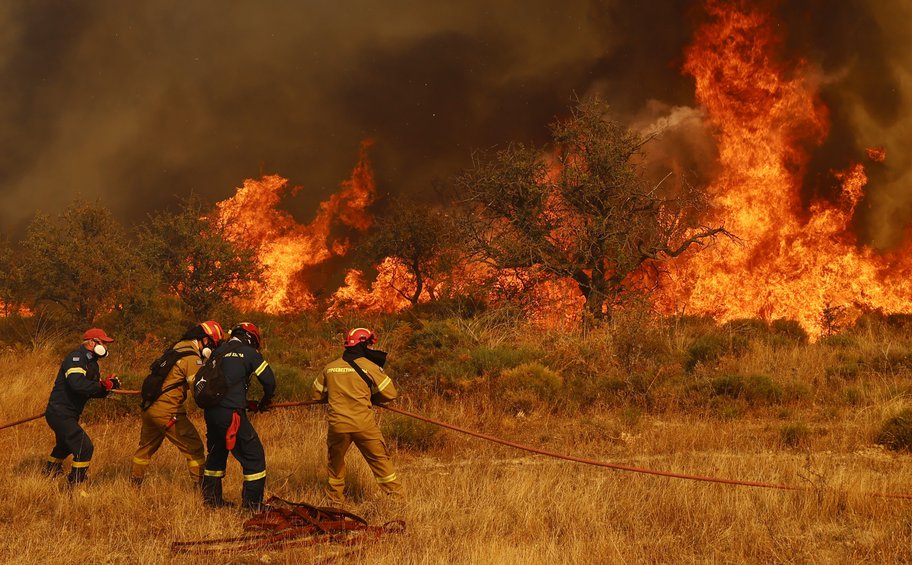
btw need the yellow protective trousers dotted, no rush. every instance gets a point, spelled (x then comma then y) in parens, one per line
(161, 423)
(371, 445)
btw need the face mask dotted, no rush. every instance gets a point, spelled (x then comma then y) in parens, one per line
(100, 350)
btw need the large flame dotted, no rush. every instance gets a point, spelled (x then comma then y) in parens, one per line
(767, 116)
(285, 248)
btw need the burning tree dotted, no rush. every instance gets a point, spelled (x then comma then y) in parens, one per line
(421, 239)
(583, 210)
(194, 258)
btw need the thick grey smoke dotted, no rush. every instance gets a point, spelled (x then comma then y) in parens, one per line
(135, 103)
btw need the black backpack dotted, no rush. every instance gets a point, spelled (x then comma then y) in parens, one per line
(210, 385)
(158, 371)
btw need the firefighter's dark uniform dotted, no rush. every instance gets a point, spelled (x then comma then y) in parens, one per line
(77, 381)
(351, 420)
(239, 365)
(167, 416)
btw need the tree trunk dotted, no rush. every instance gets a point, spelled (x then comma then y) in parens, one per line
(419, 283)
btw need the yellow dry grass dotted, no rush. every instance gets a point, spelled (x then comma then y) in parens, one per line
(473, 502)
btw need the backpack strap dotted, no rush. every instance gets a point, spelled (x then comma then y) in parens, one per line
(145, 405)
(367, 380)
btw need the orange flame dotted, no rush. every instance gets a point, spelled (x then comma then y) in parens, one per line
(766, 114)
(877, 154)
(285, 248)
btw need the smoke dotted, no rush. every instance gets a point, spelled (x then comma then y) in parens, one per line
(861, 48)
(136, 103)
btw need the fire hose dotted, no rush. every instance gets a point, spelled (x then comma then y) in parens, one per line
(555, 455)
(284, 524)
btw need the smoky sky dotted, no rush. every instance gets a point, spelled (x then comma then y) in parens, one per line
(138, 103)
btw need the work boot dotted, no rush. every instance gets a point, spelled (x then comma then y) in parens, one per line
(252, 494)
(77, 475)
(53, 469)
(212, 493)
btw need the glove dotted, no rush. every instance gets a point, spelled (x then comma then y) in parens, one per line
(253, 406)
(115, 382)
(264, 404)
(108, 383)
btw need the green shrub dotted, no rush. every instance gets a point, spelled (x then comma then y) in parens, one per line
(790, 329)
(893, 361)
(794, 435)
(292, 383)
(755, 389)
(639, 344)
(411, 433)
(438, 334)
(705, 349)
(839, 341)
(496, 359)
(896, 432)
(529, 386)
(847, 370)
(748, 327)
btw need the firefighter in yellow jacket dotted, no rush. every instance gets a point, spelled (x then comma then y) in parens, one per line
(164, 411)
(351, 385)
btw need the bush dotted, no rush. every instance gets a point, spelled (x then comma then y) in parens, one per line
(435, 335)
(705, 349)
(411, 433)
(794, 435)
(755, 389)
(896, 432)
(529, 385)
(748, 327)
(496, 359)
(846, 370)
(291, 382)
(789, 329)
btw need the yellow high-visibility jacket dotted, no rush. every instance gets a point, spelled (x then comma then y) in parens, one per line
(349, 396)
(173, 401)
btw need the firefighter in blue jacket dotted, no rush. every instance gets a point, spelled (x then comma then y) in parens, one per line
(78, 380)
(227, 426)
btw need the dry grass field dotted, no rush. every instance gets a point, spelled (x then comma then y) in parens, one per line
(474, 502)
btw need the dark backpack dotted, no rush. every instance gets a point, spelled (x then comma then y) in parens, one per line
(210, 385)
(158, 371)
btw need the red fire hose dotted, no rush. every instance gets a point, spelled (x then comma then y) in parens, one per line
(616, 466)
(593, 462)
(22, 421)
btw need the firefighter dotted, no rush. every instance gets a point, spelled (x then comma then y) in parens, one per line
(351, 384)
(77, 381)
(227, 426)
(166, 417)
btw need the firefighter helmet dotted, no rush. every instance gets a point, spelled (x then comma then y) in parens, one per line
(249, 329)
(214, 330)
(360, 335)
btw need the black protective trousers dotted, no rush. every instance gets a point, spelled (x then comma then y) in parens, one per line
(71, 438)
(248, 450)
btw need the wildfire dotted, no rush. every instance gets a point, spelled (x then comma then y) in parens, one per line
(877, 154)
(766, 114)
(287, 249)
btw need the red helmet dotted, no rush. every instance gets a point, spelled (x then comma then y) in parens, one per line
(250, 329)
(214, 330)
(360, 335)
